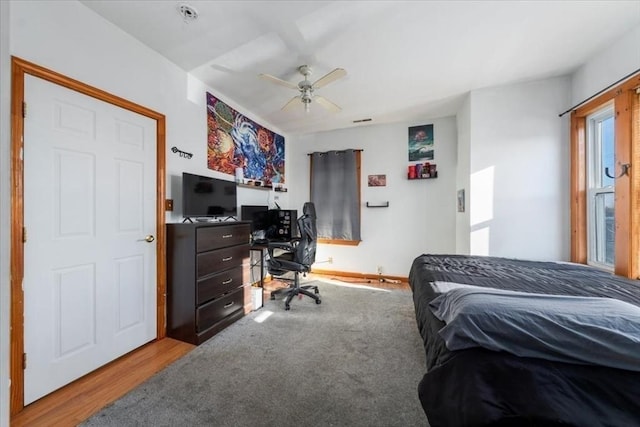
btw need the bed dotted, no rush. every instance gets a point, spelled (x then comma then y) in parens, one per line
(572, 382)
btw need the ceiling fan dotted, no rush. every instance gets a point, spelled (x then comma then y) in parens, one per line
(306, 88)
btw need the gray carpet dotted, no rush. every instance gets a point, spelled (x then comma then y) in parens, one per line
(354, 360)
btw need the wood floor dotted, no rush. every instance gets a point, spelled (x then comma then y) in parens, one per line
(77, 401)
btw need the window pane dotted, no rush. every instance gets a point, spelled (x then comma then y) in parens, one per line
(604, 228)
(601, 158)
(608, 151)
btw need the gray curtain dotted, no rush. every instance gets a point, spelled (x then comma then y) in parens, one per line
(334, 191)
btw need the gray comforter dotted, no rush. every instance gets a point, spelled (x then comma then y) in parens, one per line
(572, 329)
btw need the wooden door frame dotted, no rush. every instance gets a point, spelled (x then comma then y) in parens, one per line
(19, 68)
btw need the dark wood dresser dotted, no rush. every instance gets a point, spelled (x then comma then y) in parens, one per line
(207, 278)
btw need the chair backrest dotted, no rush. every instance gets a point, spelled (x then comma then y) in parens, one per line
(306, 249)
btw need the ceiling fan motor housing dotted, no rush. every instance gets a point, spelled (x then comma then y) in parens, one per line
(305, 70)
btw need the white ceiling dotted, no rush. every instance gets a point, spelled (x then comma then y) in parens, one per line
(405, 60)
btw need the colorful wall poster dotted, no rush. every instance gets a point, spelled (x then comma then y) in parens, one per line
(235, 141)
(421, 143)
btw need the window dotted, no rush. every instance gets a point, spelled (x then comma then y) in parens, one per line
(600, 193)
(335, 192)
(605, 212)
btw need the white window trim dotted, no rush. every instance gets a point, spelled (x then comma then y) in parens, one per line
(594, 188)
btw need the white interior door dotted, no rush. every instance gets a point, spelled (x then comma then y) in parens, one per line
(89, 203)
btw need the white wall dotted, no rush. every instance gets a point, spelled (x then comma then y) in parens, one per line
(194, 142)
(607, 67)
(421, 213)
(5, 175)
(110, 59)
(519, 171)
(463, 230)
(71, 39)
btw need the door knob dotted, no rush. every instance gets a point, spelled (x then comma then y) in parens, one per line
(148, 238)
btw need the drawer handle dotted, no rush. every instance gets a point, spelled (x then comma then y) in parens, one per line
(229, 304)
(226, 236)
(227, 259)
(226, 282)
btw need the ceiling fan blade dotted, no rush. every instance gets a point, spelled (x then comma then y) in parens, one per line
(292, 103)
(276, 80)
(329, 77)
(327, 104)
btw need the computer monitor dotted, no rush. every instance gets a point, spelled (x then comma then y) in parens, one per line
(248, 213)
(270, 224)
(283, 224)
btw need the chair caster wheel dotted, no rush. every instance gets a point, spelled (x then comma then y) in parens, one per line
(318, 301)
(286, 307)
(316, 291)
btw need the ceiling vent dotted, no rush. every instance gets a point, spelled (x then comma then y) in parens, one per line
(188, 13)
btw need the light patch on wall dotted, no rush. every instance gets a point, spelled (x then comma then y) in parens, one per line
(195, 91)
(479, 241)
(481, 196)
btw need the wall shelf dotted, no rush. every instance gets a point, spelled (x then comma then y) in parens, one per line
(426, 177)
(263, 187)
(255, 187)
(381, 205)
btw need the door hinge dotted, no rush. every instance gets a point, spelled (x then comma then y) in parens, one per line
(24, 110)
(24, 360)
(24, 234)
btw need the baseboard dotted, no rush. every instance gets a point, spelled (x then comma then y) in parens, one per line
(363, 276)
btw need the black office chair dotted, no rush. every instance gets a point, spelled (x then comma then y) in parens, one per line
(296, 256)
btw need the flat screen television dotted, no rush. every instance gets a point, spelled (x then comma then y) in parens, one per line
(203, 196)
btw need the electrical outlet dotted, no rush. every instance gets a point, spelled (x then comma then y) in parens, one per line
(330, 260)
(379, 269)
(168, 205)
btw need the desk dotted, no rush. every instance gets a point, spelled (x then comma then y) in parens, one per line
(258, 248)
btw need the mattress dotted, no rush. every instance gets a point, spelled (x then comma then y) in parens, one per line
(477, 386)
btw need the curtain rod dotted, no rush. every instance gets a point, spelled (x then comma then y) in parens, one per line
(338, 151)
(627, 77)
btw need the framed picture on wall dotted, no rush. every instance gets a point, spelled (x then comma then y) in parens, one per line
(377, 180)
(421, 143)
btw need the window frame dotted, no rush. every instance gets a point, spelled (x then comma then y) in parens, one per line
(335, 241)
(596, 187)
(627, 188)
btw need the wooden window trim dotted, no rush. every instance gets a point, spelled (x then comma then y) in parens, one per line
(627, 188)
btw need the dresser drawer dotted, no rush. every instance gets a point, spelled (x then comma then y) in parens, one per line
(218, 284)
(214, 311)
(210, 238)
(221, 259)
